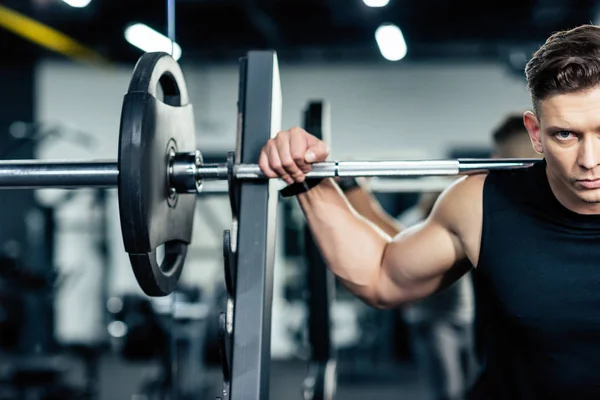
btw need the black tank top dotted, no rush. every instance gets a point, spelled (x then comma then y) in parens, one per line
(537, 293)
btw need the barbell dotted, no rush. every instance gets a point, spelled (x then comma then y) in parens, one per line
(186, 172)
(159, 167)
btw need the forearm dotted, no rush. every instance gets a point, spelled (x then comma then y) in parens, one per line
(366, 205)
(351, 246)
(381, 271)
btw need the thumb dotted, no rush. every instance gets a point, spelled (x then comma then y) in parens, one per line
(316, 152)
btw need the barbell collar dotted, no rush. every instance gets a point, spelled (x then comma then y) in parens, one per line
(183, 172)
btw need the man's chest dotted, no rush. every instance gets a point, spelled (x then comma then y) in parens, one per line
(546, 284)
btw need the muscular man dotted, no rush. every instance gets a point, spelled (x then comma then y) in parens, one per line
(532, 235)
(441, 325)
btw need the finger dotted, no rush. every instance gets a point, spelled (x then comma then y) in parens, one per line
(275, 164)
(287, 161)
(263, 163)
(298, 149)
(317, 150)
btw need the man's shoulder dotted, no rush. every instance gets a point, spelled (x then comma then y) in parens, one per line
(517, 173)
(464, 198)
(514, 183)
(466, 187)
(460, 203)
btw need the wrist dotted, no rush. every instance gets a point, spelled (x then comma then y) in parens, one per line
(347, 183)
(298, 188)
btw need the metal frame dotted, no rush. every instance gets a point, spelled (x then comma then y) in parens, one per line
(320, 383)
(260, 106)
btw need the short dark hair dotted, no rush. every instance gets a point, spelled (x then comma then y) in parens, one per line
(510, 126)
(569, 61)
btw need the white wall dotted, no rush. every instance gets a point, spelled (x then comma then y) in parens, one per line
(382, 111)
(374, 108)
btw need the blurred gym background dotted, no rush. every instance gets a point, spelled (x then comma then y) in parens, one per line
(405, 79)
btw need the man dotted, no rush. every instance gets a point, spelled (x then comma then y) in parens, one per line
(533, 235)
(441, 325)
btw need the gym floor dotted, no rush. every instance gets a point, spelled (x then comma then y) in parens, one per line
(118, 379)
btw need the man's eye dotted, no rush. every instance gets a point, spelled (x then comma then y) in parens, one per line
(563, 135)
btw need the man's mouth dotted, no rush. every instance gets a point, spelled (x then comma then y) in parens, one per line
(589, 183)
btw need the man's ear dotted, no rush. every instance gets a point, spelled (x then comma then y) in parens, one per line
(532, 124)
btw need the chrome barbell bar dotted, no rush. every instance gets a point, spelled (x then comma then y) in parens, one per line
(41, 174)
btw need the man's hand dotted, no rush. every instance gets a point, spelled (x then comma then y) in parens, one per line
(289, 155)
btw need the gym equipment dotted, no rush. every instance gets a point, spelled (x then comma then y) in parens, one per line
(170, 331)
(186, 171)
(158, 164)
(18, 282)
(321, 381)
(38, 377)
(249, 247)
(153, 133)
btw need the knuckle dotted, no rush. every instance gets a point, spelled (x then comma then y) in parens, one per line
(276, 165)
(296, 130)
(298, 155)
(287, 162)
(281, 135)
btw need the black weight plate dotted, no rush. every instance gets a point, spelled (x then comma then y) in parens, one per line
(150, 215)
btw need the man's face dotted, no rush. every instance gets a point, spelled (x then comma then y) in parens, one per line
(567, 133)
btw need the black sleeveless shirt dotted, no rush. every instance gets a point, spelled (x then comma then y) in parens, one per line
(537, 293)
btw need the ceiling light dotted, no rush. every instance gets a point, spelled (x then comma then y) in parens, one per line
(78, 3)
(376, 3)
(391, 42)
(149, 40)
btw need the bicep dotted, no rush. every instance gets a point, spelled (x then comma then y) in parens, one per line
(416, 262)
(433, 254)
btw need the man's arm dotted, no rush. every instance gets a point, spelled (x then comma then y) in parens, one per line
(367, 205)
(385, 271)
(381, 270)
